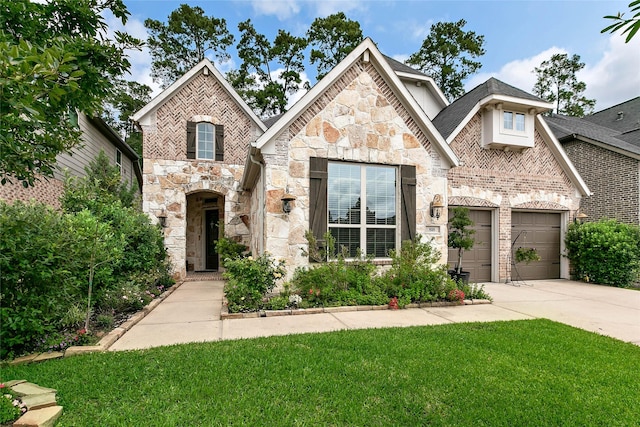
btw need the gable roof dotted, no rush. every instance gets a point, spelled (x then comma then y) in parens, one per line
(455, 116)
(203, 66)
(406, 72)
(369, 52)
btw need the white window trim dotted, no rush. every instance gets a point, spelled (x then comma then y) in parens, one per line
(213, 140)
(363, 220)
(119, 162)
(513, 129)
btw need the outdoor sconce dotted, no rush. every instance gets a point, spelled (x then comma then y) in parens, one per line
(287, 201)
(436, 206)
(581, 216)
(162, 219)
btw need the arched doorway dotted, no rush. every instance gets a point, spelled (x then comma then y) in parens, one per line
(205, 213)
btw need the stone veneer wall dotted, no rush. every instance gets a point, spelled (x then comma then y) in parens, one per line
(169, 176)
(613, 178)
(531, 180)
(358, 119)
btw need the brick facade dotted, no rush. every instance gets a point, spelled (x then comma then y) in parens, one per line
(177, 187)
(529, 180)
(44, 191)
(613, 178)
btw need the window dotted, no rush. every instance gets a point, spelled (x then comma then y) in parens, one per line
(205, 140)
(362, 208)
(119, 160)
(509, 116)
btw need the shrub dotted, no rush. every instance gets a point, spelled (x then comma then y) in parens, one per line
(605, 252)
(229, 249)
(10, 406)
(249, 280)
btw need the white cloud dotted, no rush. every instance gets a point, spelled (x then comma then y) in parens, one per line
(615, 78)
(612, 79)
(330, 7)
(282, 9)
(518, 73)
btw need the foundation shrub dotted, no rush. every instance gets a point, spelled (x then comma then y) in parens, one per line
(605, 252)
(249, 280)
(415, 275)
(229, 249)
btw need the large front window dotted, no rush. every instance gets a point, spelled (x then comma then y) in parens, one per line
(205, 140)
(362, 208)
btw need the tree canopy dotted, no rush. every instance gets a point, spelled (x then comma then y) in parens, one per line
(184, 41)
(447, 55)
(628, 26)
(332, 38)
(269, 71)
(55, 59)
(557, 83)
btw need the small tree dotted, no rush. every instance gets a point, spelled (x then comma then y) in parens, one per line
(460, 235)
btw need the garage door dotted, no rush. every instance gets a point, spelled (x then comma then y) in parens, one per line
(541, 231)
(478, 259)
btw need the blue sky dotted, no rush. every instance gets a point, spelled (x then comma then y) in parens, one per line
(519, 35)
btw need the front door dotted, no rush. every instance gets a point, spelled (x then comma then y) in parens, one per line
(211, 236)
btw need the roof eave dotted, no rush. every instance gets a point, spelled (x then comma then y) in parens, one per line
(538, 106)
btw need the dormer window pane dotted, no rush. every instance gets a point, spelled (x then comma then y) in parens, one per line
(520, 122)
(508, 120)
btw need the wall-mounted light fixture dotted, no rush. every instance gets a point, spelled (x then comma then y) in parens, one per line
(436, 206)
(581, 216)
(287, 202)
(162, 218)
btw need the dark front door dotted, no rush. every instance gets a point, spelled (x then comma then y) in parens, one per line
(211, 236)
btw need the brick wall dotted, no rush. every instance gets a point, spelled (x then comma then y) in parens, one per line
(47, 192)
(613, 178)
(531, 180)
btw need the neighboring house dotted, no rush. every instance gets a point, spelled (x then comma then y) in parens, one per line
(515, 178)
(605, 148)
(362, 155)
(96, 136)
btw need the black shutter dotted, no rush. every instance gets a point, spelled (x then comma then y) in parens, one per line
(219, 143)
(408, 202)
(318, 176)
(191, 140)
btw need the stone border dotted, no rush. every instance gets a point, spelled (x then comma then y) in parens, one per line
(339, 309)
(40, 402)
(106, 341)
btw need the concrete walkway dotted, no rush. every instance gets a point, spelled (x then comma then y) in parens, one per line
(192, 314)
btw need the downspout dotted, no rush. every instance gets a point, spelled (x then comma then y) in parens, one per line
(261, 203)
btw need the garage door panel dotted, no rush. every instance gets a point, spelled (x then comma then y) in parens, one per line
(477, 260)
(539, 230)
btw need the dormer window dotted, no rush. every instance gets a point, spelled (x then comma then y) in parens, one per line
(508, 129)
(508, 121)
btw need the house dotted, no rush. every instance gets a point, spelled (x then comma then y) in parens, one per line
(96, 136)
(362, 155)
(605, 148)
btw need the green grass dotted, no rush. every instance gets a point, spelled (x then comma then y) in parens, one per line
(525, 373)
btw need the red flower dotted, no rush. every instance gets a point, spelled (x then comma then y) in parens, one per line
(311, 291)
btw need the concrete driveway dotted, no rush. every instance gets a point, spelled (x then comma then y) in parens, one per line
(614, 312)
(192, 314)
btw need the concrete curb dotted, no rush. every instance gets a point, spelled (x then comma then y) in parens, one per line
(338, 309)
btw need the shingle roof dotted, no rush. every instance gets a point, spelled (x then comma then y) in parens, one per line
(566, 128)
(624, 117)
(451, 116)
(268, 122)
(399, 67)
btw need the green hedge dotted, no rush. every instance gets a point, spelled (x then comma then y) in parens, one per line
(605, 252)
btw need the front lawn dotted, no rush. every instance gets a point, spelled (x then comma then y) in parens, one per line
(533, 372)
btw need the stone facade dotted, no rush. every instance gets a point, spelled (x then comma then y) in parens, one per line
(528, 180)
(179, 187)
(357, 119)
(613, 178)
